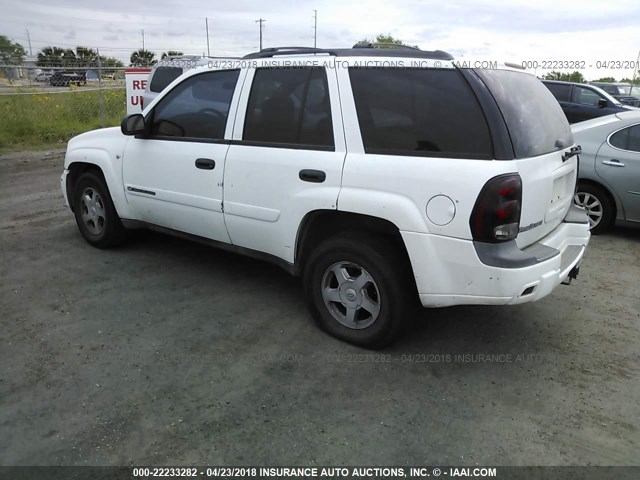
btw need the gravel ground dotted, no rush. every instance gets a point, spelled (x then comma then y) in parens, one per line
(167, 352)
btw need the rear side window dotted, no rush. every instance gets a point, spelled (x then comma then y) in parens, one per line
(560, 91)
(163, 76)
(627, 139)
(430, 112)
(289, 106)
(534, 118)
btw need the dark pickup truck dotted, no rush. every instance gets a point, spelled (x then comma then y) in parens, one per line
(64, 79)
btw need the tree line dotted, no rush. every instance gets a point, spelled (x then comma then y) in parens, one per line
(13, 53)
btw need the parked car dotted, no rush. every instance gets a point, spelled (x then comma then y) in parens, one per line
(168, 69)
(609, 182)
(64, 79)
(380, 176)
(619, 91)
(580, 101)
(42, 76)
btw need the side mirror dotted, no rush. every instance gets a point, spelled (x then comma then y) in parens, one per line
(133, 124)
(602, 103)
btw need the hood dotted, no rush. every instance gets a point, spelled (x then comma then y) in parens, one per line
(100, 138)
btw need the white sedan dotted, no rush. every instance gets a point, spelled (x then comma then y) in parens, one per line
(609, 177)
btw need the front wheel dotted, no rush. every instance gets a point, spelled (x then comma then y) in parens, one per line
(598, 205)
(358, 288)
(95, 214)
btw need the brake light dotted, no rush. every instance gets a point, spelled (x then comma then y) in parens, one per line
(496, 214)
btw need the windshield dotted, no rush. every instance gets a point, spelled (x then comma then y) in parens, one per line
(534, 118)
(635, 91)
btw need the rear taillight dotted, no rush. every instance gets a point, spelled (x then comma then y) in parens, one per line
(496, 214)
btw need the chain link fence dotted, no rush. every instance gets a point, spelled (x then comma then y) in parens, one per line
(43, 106)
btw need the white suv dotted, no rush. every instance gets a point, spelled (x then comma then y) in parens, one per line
(379, 175)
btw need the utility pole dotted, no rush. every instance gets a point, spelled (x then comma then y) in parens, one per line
(206, 22)
(315, 28)
(261, 21)
(29, 39)
(143, 39)
(636, 70)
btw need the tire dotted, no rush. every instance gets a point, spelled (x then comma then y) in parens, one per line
(359, 288)
(95, 214)
(599, 206)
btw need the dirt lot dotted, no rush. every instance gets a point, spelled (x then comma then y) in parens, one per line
(167, 352)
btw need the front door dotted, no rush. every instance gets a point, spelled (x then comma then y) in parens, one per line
(618, 163)
(173, 177)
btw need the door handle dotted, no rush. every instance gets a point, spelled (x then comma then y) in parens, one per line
(313, 176)
(613, 163)
(205, 163)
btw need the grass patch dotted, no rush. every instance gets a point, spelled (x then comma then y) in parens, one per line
(33, 120)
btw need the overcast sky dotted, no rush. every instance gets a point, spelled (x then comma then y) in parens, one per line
(520, 30)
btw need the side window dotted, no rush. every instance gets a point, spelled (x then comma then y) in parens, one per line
(627, 139)
(163, 76)
(633, 142)
(430, 112)
(560, 91)
(197, 107)
(585, 96)
(610, 89)
(289, 106)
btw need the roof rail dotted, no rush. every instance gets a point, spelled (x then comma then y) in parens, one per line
(358, 50)
(383, 45)
(273, 51)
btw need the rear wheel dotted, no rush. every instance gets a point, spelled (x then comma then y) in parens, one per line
(95, 214)
(358, 289)
(598, 205)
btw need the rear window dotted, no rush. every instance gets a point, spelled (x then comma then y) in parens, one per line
(163, 76)
(429, 112)
(534, 118)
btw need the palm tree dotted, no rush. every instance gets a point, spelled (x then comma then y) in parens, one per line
(51, 57)
(86, 56)
(142, 58)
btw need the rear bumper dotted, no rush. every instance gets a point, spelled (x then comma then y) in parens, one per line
(451, 271)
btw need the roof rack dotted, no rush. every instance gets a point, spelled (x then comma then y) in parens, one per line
(273, 51)
(383, 45)
(358, 50)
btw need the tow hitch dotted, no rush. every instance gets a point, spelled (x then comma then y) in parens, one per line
(572, 274)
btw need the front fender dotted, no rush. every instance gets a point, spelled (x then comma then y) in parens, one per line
(110, 164)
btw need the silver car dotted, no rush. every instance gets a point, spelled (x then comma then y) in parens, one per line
(609, 178)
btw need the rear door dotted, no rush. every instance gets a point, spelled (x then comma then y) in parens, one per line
(540, 135)
(286, 157)
(618, 163)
